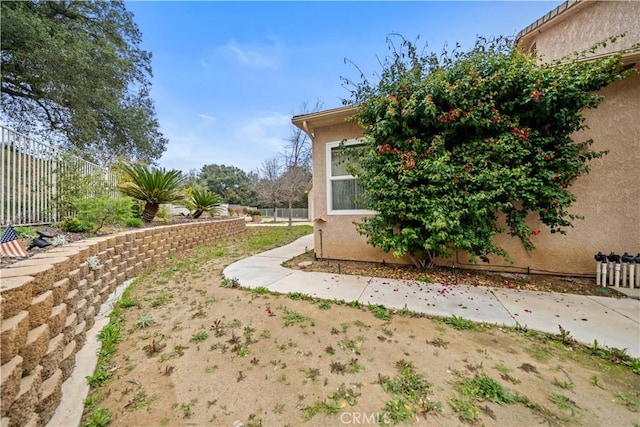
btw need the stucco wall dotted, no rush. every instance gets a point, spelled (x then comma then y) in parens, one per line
(585, 24)
(340, 240)
(49, 302)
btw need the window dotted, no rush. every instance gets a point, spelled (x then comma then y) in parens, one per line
(344, 192)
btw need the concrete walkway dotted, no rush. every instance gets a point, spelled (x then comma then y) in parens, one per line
(612, 322)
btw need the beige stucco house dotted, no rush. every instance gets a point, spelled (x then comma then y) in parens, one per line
(608, 198)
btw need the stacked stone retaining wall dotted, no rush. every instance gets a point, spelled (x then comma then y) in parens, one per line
(49, 302)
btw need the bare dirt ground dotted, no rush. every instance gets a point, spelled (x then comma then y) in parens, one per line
(196, 350)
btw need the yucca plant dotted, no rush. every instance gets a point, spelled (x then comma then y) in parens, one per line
(200, 201)
(152, 186)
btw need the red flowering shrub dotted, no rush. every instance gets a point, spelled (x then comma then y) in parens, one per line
(472, 134)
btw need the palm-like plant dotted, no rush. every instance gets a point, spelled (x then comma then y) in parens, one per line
(152, 186)
(200, 201)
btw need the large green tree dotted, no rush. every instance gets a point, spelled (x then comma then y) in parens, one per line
(453, 140)
(233, 184)
(74, 71)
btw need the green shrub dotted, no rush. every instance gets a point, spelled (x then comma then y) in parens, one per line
(134, 222)
(75, 225)
(103, 211)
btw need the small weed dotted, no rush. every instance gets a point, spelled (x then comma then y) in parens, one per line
(380, 311)
(459, 323)
(278, 408)
(199, 337)
(564, 403)
(355, 304)
(163, 298)
(527, 367)
(596, 382)
(291, 318)
(261, 290)
(387, 332)
(99, 378)
(265, 334)
(329, 350)
(140, 400)
(311, 373)
(623, 399)
(563, 384)
(128, 303)
(230, 283)
(101, 417)
(351, 345)
(217, 328)
(144, 321)
(438, 342)
(187, 408)
(154, 348)
(324, 305)
(409, 394)
(296, 296)
(334, 403)
(337, 368)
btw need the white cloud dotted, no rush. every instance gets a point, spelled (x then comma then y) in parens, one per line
(267, 131)
(255, 55)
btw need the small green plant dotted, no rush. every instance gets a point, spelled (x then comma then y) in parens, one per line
(134, 223)
(101, 417)
(563, 384)
(128, 303)
(93, 262)
(161, 299)
(261, 290)
(334, 403)
(74, 225)
(59, 240)
(154, 348)
(380, 311)
(296, 296)
(459, 323)
(199, 337)
(103, 211)
(144, 321)
(409, 394)
(324, 305)
(98, 378)
(291, 318)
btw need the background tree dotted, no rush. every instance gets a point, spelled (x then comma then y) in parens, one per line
(234, 185)
(297, 162)
(74, 71)
(455, 139)
(269, 184)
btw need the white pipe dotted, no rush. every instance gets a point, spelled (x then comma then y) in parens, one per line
(604, 274)
(617, 269)
(610, 273)
(598, 273)
(625, 266)
(638, 275)
(632, 267)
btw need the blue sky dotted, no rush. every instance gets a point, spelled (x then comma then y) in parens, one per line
(228, 76)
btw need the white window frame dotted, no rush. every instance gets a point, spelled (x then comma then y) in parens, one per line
(330, 179)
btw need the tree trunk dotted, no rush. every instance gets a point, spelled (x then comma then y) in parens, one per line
(197, 213)
(290, 214)
(275, 214)
(150, 211)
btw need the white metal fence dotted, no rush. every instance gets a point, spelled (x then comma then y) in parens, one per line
(284, 212)
(34, 176)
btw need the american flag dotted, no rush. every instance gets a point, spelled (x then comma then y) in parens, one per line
(10, 245)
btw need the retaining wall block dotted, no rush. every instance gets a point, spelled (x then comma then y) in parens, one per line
(9, 383)
(25, 403)
(57, 319)
(14, 336)
(69, 330)
(35, 347)
(74, 278)
(50, 396)
(68, 362)
(40, 309)
(53, 356)
(60, 290)
(16, 293)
